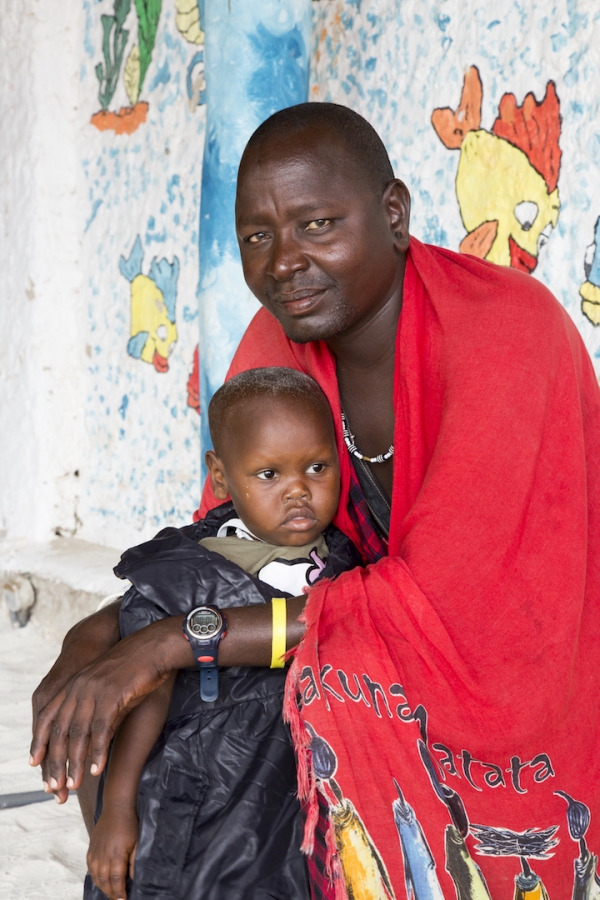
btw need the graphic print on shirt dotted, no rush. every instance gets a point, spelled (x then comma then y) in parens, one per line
(294, 576)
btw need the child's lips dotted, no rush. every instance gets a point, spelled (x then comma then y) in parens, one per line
(301, 518)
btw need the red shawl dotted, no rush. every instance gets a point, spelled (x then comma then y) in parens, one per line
(451, 690)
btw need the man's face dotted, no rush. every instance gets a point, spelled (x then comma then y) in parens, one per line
(319, 247)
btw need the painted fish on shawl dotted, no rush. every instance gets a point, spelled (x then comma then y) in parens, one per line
(363, 869)
(419, 866)
(586, 884)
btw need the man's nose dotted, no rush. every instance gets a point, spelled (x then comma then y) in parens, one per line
(287, 257)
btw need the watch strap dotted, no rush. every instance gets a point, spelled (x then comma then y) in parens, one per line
(209, 683)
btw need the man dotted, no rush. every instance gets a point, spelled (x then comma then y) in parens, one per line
(454, 680)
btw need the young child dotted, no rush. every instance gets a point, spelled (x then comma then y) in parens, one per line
(206, 803)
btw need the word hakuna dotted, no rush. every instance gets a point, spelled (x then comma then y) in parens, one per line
(478, 773)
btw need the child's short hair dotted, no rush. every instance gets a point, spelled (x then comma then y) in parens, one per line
(274, 382)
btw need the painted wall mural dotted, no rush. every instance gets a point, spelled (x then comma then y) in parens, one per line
(140, 255)
(590, 289)
(492, 120)
(114, 43)
(193, 383)
(506, 178)
(153, 298)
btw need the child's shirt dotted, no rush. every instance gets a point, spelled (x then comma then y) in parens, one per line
(289, 569)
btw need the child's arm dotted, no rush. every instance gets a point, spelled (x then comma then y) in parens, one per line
(114, 839)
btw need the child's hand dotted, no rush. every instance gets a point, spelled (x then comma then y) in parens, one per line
(112, 850)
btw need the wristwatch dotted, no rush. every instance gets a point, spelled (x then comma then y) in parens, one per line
(204, 627)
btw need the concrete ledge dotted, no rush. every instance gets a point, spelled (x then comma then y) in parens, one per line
(57, 583)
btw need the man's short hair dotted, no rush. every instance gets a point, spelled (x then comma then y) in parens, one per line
(275, 382)
(360, 138)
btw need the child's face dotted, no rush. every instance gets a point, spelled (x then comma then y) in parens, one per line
(280, 467)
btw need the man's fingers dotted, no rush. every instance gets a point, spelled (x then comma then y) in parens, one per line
(59, 744)
(42, 726)
(106, 721)
(79, 742)
(61, 796)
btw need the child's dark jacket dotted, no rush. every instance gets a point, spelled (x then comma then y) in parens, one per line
(219, 817)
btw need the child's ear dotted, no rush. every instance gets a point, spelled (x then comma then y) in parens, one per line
(217, 475)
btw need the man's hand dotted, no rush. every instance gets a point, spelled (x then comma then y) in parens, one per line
(82, 718)
(84, 643)
(112, 851)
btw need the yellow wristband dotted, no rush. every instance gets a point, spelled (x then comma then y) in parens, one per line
(279, 643)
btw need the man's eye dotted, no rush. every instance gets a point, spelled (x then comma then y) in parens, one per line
(318, 223)
(255, 238)
(316, 468)
(266, 475)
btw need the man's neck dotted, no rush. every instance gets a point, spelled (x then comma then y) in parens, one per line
(365, 360)
(371, 343)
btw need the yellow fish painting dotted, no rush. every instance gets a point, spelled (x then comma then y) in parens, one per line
(153, 332)
(506, 182)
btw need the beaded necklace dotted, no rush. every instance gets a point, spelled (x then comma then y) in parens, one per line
(353, 449)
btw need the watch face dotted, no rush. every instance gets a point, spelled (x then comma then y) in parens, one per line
(204, 623)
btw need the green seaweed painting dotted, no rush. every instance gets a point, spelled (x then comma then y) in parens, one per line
(115, 36)
(113, 51)
(148, 12)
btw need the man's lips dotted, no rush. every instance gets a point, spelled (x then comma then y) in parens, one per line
(299, 301)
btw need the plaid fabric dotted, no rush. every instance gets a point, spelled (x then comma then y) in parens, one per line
(320, 887)
(373, 544)
(374, 547)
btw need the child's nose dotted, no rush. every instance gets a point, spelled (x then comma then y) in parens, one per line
(297, 490)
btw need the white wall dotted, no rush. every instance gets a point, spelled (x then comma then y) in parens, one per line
(42, 318)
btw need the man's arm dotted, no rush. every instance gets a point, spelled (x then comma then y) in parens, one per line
(86, 642)
(114, 839)
(86, 713)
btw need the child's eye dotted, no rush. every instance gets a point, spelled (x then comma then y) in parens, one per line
(316, 468)
(266, 474)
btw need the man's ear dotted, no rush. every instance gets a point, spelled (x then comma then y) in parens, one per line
(396, 200)
(216, 472)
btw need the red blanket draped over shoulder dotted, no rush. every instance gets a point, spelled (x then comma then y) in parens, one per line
(451, 690)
